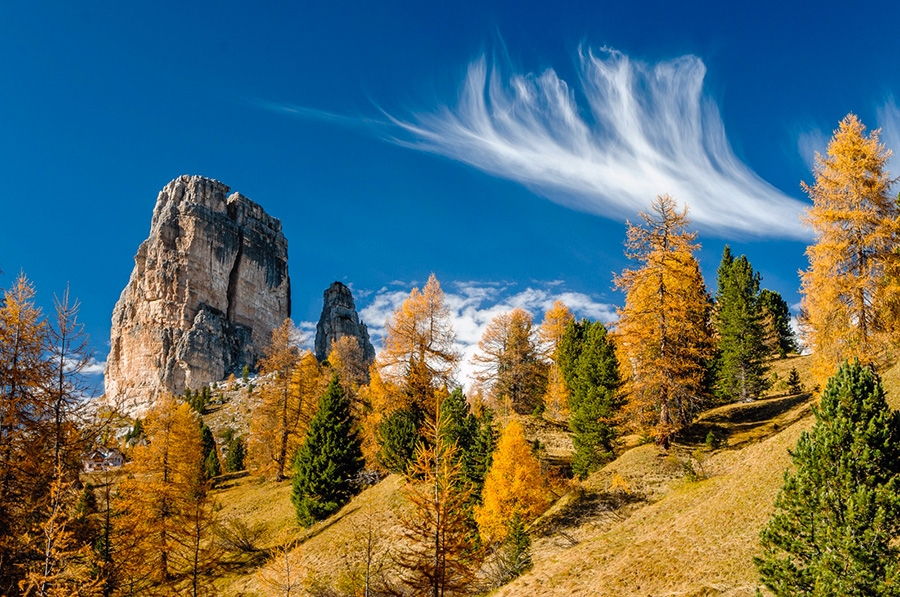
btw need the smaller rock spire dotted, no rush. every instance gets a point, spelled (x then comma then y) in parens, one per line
(339, 318)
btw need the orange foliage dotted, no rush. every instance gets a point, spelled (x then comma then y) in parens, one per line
(663, 336)
(420, 332)
(510, 368)
(851, 299)
(514, 485)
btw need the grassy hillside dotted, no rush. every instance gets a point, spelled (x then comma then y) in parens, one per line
(682, 522)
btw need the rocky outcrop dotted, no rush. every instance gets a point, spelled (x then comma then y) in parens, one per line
(339, 318)
(209, 285)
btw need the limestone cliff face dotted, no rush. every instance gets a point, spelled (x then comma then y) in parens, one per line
(339, 318)
(209, 285)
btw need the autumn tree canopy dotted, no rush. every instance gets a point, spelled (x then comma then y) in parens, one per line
(420, 333)
(514, 486)
(556, 396)
(292, 384)
(509, 364)
(663, 335)
(850, 289)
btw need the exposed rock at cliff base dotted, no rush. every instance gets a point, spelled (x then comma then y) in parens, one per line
(339, 318)
(209, 285)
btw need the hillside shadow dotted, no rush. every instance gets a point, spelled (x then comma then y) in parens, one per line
(734, 425)
(602, 508)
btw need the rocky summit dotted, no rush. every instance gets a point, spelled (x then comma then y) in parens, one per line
(209, 285)
(339, 318)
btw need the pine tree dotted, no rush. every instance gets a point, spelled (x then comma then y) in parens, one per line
(235, 451)
(593, 377)
(850, 294)
(739, 318)
(211, 466)
(513, 557)
(663, 336)
(514, 485)
(473, 436)
(780, 337)
(837, 517)
(398, 436)
(326, 466)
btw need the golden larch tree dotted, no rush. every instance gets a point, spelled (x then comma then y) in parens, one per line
(556, 397)
(289, 390)
(514, 485)
(378, 399)
(509, 364)
(156, 500)
(420, 331)
(348, 361)
(851, 288)
(419, 351)
(437, 554)
(663, 336)
(24, 373)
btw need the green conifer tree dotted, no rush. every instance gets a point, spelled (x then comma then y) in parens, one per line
(777, 316)
(739, 318)
(235, 451)
(211, 465)
(477, 460)
(591, 371)
(398, 435)
(837, 517)
(327, 463)
(474, 437)
(514, 556)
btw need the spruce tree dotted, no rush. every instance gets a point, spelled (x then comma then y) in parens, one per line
(778, 322)
(398, 436)
(329, 460)
(837, 517)
(475, 439)
(739, 318)
(590, 368)
(211, 466)
(235, 451)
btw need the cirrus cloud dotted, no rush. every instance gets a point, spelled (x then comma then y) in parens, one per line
(639, 130)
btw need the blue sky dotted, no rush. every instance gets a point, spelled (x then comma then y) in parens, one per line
(501, 145)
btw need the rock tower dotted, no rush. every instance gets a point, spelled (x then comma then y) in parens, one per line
(209, 285)
(339, 318)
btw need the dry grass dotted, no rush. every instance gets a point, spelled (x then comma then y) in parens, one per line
(697, 538)
(675, 537)
(325, 550)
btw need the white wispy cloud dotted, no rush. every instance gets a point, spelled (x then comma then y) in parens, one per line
(809, 143)
(629, 132)
(889, 120)
(472, 305)
(306, 113)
